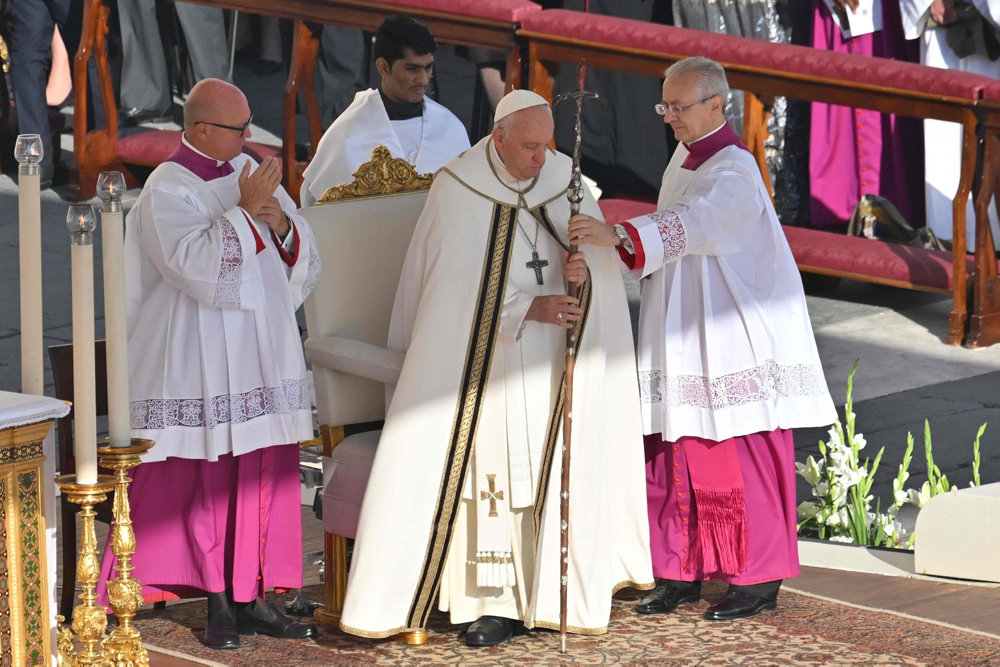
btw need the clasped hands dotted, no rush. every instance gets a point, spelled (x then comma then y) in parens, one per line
(257, 195)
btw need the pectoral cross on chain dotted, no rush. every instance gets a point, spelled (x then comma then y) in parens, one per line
(536, 264)
(493, 495)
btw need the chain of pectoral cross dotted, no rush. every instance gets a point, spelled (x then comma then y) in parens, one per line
(535, 264)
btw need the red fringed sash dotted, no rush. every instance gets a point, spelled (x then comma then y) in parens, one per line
(719, 500)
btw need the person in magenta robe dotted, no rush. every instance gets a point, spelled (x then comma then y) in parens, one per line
(726, 357)
(854, 152)
(217, 262)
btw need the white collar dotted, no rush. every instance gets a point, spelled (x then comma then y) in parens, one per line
(505, 176)
(218, 163)
(705, 136)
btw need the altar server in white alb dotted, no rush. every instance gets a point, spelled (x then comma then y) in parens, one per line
(462, 507)
(217, 262)
(398, 115)
(961, 36)
(727, 361)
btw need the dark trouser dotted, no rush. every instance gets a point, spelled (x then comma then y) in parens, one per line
(31, 55)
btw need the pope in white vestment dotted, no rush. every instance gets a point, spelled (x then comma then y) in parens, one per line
(398, 115)
(462, 506)
(727, 361)
(943, 140)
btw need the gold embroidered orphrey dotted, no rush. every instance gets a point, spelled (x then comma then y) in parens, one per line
(382, 175)
(24, 598)
(479, 356)
(492, 495)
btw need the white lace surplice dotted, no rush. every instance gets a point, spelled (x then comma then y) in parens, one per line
(725, 343)
(215, 355)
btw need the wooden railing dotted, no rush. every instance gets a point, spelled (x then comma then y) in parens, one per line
(764, 69)
(544, 39)
(480, 25)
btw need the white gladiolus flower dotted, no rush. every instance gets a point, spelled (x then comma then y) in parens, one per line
(852, 477)
(920, 497)
(810, 470)
(839, 458)
(859, 441)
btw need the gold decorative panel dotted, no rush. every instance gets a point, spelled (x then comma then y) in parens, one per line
(24, 608)
(382, 175)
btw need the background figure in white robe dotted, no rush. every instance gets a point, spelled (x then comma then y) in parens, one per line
(727, 361)
(398, 115)
(463, 500)
(976, 33)
(217, 262)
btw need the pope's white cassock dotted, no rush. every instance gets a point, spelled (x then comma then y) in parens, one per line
(463, 499)
(427, 142)
(942, 139)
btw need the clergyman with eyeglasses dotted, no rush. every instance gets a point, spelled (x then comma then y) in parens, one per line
(217, 262)
(726, 357)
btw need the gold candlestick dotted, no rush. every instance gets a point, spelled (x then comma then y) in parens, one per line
(89, 618)
(124, 646)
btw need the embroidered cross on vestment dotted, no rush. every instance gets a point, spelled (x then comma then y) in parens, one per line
(492, 495)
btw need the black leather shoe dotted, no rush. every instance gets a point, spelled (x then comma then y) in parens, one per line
(134, 115)
(667, 596)
(220, 631)
(739, 604)
(492, 630)
(262, 617)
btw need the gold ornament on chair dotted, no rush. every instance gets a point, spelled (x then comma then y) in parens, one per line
(382, 175)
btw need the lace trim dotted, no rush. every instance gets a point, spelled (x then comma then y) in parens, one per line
(753, 385)
(227, 289)
(672, 234)
(312, 273)
(160, 413)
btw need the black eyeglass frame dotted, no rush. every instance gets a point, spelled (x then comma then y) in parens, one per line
(241, 130)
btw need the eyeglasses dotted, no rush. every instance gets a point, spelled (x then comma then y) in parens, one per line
(662, 109)
(241, 130)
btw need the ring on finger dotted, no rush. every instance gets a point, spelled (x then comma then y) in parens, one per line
(559, 316)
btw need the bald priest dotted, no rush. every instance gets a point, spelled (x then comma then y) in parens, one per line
(462, 507)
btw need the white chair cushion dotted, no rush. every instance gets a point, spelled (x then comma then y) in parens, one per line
(345, 476)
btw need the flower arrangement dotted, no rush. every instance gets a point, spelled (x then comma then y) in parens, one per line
(841, 484)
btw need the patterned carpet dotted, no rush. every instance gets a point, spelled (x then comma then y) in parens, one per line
(803, 631)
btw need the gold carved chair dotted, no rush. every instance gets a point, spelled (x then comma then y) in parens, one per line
(363, 230)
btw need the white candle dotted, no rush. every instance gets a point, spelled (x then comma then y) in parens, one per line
(28, 152)
(110, 186)
(80, 220)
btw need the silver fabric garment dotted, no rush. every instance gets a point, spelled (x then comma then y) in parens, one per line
(766, 20)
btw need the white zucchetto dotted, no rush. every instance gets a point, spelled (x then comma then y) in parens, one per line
(516, 100)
